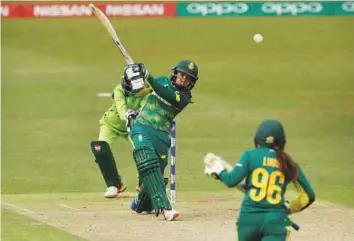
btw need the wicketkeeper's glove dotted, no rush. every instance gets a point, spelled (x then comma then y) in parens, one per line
(213, 165)
(130, 117)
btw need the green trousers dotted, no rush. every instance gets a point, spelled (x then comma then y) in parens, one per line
(156, 140)
(151, 157)
(262, 226)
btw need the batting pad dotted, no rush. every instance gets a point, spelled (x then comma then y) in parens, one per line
(153, 183)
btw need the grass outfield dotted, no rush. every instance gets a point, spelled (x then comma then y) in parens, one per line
(30, 229)
(302, 74)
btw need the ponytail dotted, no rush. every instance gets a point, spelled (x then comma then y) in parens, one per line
(287, 165)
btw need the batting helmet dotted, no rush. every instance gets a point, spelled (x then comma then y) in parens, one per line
(271, 134)
(189, 68)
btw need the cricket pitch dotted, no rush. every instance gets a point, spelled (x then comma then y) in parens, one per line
(204, 216)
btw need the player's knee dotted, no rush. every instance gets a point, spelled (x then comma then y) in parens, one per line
(145, 160)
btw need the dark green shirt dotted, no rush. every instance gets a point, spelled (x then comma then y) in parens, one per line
(163, 104)
(265, 183)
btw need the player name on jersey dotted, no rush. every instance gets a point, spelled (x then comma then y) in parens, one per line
(270, 162)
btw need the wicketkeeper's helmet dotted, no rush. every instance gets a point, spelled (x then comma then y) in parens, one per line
(189, 68)
(271, 134)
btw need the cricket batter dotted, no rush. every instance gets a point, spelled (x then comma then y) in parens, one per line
(127, 98)
(268, 170)
(151, 133)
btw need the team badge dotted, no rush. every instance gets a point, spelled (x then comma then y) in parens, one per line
(178, 96)
(270, 140)
(190, 66)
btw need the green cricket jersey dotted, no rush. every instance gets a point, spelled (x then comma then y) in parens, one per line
(114, 117)
(266, 184)
(163, 104)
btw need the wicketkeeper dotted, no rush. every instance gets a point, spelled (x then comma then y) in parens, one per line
(151, 133)
(268, 170)
(127, 99)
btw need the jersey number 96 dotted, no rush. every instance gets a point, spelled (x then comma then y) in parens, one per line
(266, 186)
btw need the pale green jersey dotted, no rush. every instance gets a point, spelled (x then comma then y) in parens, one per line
(114, 117)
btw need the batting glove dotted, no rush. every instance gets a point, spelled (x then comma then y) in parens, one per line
(136, 75)
(130, 117)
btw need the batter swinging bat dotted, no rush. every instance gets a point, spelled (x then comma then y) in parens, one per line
(108, 26)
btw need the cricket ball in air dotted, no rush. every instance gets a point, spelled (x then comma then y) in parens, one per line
(258, 38)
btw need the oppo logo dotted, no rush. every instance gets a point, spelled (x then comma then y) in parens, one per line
(348, 6)
(292, 8)
(217, 8)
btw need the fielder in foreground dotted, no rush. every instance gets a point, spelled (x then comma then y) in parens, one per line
(268, 170)
(151, 134)
(127, 98)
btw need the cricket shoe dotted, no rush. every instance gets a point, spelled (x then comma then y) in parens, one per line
(113, 191)
(170, 215)
(134, 207)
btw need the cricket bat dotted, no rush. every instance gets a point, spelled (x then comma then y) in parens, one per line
(108, 26)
